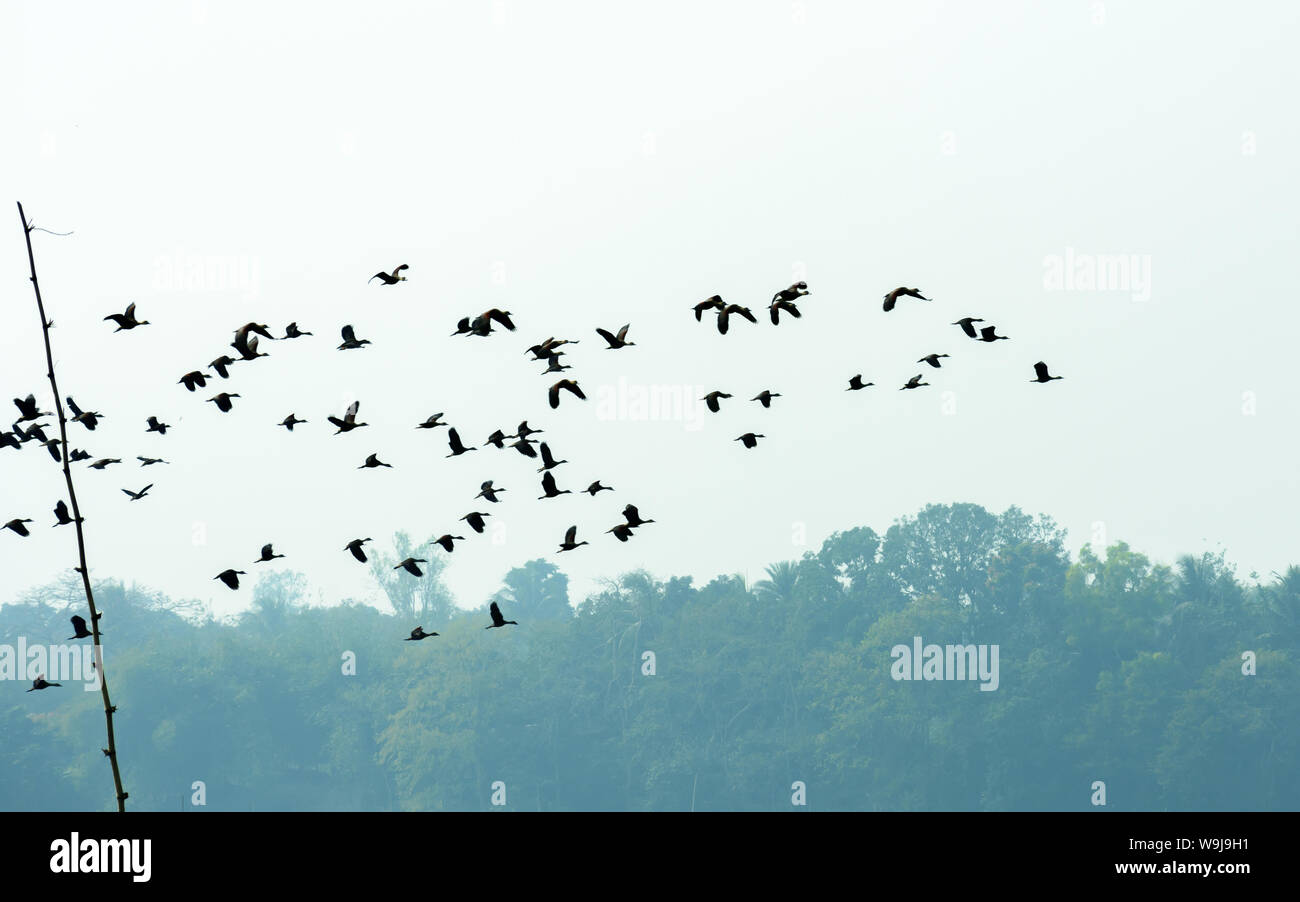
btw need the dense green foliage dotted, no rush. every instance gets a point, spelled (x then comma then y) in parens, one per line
(1113, 668)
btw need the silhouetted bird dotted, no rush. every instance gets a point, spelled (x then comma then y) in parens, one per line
(78, 454)
(247, 347)
(856, 383)
(79, 629)
(149, 461)
(418, 633)
(524, 431)
(548, 461)
(525, 447)
(622, 532)
(372, 462)
(230, 577)
(248, 350)
(268, 554)
(155, 425)
(489, 492)
(482, 324)
(597, 487)
(136, 496)
(749, 439)
(40, 683)
(774, 311)
(967, 324)
(390, 278)
(349, 421)
(793, 293)
(711, 399)
(18, 526)
(61, 514)
(914, 382)
(475, 520)
(28, 409)
(53, 446)
(193, 379)
(713, 303)
(350, 340)
(497, 619)
(497, 438)
(555, 365)
(724, 316)
(457, 446)
(615, 341)
(104, 462)
(410, 566)
(567, 385)
(357, 551)
(431, 423)
(446, 541)
(765, 397)
(222, 366)
(548, 486)
(224, 401)
(87, 418)
(463, 327)
(292, 331)
(989, 333)
(569, 544)
(892, 298)
(1040, 373)
(10, 440)
(292, 420)
(633, 517)
(932, 359)
(126, 320)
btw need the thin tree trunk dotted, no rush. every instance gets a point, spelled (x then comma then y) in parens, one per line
(109, 708)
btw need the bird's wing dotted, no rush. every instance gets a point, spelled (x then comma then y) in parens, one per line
(348, 334)
(130, 310)
(548, 482)
(608, 336)
(622, 333)
(570, 534)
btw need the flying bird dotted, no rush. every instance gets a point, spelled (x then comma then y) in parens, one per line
(150, 461)
(633, 517)
(482, 324)
(87, 418)
(230, 577)
(410, 565)
(489, 492)
(224, 401)
(18, 526)
(61, 514)
(40, 683)
(932, 359)
(774, 311)
(967, 325)
(892, 298)
(349, 421)
(548, 461)
(525, 447)
(268, 554)
(222, 366)
(765, 397)
(615, 341)
(553, 394)
(192, 380)
(724, 316)
(1040, 373)
(525, 430)
(989, 333)
(292, 420)
(457, 446)
(713, 303)
(136, 496)
(914, 382)
(597, 487)
(432, 422)
(711, 399)
(372, 462)
(497, 619)
(446, 541)
(418, 633)
(749, 439)
(79, 629)
(104, 462)
(475, 520)
(856, 383)
(126, 320)
(794, 292)
(350, 340)
(292, 331)
(155, 425)
(390, 278)
(622, 532)
(28, 409)
(357, 551)
(569, 544)
(548, 486)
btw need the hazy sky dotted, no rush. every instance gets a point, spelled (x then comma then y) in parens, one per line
(586, 164)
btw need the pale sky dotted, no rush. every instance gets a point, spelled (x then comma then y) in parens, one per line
(586, 164)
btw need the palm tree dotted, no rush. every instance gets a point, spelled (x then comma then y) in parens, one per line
(780, 583)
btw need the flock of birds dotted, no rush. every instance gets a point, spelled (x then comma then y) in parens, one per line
(245, 345)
